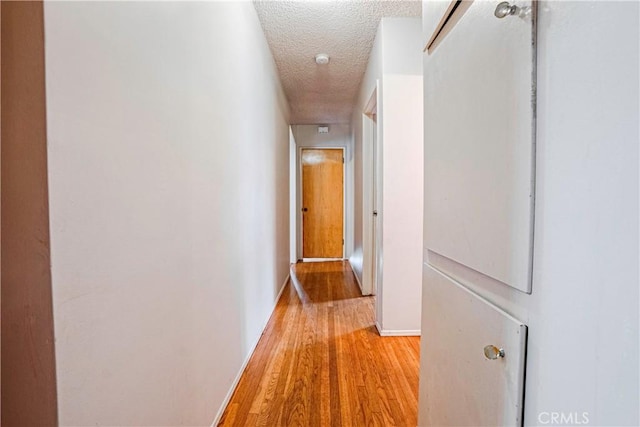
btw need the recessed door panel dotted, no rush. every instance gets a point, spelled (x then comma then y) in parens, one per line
(322, 203)
(479, 136)
(460, 385)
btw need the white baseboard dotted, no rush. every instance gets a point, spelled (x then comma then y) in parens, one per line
(397, 332)
(400, 333)
(235, 382)
(379, 328)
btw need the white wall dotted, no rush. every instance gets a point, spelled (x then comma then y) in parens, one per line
(168, 172)
(402, 204)
(395, 69)
(363, 204)
(582, 314)
(339, 136)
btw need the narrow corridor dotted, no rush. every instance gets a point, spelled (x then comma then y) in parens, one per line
(321, 362)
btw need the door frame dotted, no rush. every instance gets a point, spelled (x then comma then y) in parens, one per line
(300, 227)
(371, 247)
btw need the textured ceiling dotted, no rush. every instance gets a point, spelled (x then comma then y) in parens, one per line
(343, 29)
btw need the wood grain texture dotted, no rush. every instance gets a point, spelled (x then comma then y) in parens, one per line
(323, 199)
(321, 362)
(28, 360)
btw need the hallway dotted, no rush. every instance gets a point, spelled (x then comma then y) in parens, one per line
(320, 360)
(155, 209)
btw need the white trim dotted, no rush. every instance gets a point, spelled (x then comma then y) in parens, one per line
(236, 380)
(400, 333)
(293, 198)
(378, 173)
(370, 247)
(356, 276)
(397, 332)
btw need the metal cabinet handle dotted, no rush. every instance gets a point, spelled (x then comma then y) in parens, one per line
(492, 352)
(505, 9)
(375, 213)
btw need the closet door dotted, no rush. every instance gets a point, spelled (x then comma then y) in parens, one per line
(473, 359)
(480, 140)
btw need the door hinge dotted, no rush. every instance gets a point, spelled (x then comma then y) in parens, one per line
(343, 160)
(342, 242)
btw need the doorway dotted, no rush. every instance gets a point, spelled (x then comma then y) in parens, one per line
(372, 234)
(322, 203)
(374, 201)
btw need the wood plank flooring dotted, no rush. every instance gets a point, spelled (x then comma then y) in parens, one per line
(321, 362)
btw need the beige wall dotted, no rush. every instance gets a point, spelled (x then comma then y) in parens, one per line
(28, 373)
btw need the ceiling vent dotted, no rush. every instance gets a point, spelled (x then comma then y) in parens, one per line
(323, 129)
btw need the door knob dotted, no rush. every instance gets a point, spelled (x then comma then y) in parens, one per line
(375, 213)
(505, 9)
(492, 352)
(304, 209)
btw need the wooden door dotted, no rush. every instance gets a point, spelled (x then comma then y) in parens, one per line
(322, 203)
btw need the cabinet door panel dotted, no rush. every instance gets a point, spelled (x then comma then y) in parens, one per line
(458, 384)
(479, 144)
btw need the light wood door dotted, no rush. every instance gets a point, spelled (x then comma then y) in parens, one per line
(322, 203)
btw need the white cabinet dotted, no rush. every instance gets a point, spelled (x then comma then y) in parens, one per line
(479, 142)
(478, 214)
(583, 301)
(458, 383)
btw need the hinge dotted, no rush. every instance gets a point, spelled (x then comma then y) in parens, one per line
(342, 242)
(343, 160)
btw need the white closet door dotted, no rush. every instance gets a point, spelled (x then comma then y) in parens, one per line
(479, 136)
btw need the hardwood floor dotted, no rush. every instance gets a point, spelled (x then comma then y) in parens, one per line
(321, 362)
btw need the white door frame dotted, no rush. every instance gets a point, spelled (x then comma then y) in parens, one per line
(293, 191)
(372, 249)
